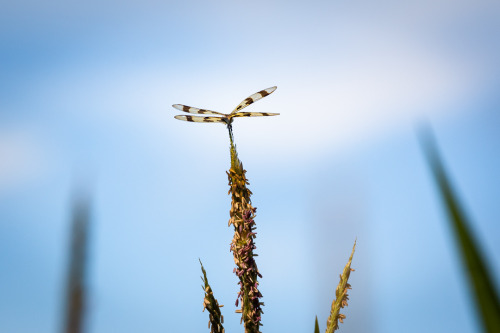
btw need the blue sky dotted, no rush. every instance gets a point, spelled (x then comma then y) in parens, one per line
(85, 97)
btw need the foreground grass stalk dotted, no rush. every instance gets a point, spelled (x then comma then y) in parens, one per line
(75, 290)
(242, 216)
(476, 267)
(216, 319)
(341, 297)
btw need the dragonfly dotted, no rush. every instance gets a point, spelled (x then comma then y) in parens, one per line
(226, 118)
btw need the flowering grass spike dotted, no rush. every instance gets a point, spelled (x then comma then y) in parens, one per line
(216, 319)
(341, 297)
(242, 216)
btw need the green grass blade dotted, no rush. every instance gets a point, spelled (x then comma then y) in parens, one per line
(316, 326)
(478, 273)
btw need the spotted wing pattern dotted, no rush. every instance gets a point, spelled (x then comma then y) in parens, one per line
(190, 109)
(252, 114)
(198, 119)
(254, 98)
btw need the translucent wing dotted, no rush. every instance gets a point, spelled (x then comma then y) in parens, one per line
(197, 119)
(190, 109)
(252, 114)
(254, 98)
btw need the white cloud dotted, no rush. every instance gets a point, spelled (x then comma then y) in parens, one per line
(345, 74)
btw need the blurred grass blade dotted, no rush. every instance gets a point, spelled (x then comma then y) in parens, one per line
(75, 289)
(316, 326)
(478, 273)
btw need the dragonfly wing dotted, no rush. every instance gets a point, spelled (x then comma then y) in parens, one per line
(254, 98)
(197, 119)
(190, 109)
(253, 114)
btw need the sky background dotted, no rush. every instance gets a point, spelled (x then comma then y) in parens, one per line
(85, 103)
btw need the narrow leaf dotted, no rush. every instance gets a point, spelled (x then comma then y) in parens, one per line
(475, 267)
